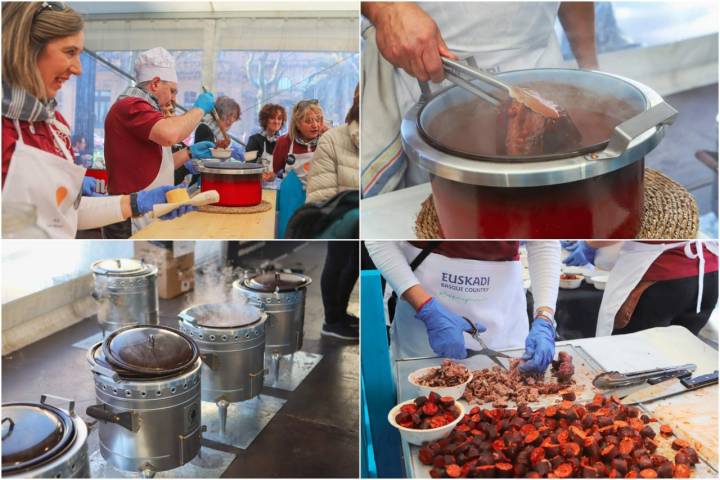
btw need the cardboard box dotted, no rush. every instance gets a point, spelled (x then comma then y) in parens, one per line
(174, 281)
(164, 258)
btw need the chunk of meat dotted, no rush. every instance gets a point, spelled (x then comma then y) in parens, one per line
(531, 125)
(448, 374)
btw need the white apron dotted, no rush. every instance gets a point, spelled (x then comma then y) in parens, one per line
(633, 261)
(500, 36)
(52, 183)
(487, 292)
(299, 163)
(165, 176)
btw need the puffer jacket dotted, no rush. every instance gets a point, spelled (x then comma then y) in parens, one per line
(335, 165)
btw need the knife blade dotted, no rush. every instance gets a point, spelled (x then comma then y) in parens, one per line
(669, 388)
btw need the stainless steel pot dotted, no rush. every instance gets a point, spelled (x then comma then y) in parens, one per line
(231, 339)
(126, 292)
(43, 441)
(453, 135)
(282, 296)
(147, 385)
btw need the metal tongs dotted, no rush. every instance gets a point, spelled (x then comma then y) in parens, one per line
(216, 117)
(610, 380)
(485, 350)
(462, 76)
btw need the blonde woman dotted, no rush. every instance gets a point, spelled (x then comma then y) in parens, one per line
(336, 161)
(38, 165)
(294, 151)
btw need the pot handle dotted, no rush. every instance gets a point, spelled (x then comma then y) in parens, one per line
(425, 92)
(71, 403)
(124, 419)
(105, 372)
(10, 428)
(629, 130)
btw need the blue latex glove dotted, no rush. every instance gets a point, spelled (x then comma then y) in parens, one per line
(205, 101)
(178, 212)
(569, 245)
(89, 188)
(146, 200)
(445, 329)
(581, 255)
(202, 149)
(539, 347)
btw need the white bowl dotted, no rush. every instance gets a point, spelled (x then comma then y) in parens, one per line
(600, 281)
(455, 392)
(221, 152)
(250, 156)
(417, 437)
(571, 283)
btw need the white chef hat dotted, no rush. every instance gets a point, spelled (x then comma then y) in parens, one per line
(156, 62)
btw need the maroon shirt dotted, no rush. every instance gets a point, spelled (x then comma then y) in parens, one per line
(40, 137)
(493, 251)
(282, 149)
(673, 264)
(132, 160)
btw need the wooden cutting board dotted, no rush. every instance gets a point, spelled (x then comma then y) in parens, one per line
(215, 225)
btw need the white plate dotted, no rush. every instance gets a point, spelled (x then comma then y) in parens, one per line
(221, 153)
(600, 281)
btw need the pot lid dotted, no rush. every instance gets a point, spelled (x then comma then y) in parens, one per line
(233, 165)
(32, 433)
(120, 267)
(592, 105)
(276, 280)
(223, 315)
(149, 350)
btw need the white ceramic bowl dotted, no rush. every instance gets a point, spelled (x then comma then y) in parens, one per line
(571, 283)
(455, 392)
(221, 153)
(600, 281)
(251, 155)
(417, 437)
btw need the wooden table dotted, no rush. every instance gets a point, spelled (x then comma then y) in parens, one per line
(197, 225)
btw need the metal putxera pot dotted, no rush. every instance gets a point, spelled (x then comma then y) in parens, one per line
(126, 292)
(42, 441)
(147, 385)
(231, 339)
(282, 296)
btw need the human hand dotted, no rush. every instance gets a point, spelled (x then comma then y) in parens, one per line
(539, 347)
(205, 101)
(149, 198)
(178, 212)
(409, 39)
(201, 149)
(90, 187)
(582, 254)
(445, 329)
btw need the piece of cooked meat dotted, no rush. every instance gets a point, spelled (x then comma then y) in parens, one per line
(545, 128)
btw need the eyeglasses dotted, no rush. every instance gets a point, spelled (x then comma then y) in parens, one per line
(54, 6)
(305, 103)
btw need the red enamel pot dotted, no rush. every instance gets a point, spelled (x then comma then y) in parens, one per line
(592, 188)
(239, 184)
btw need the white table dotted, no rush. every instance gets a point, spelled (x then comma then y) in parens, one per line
(392, 215)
